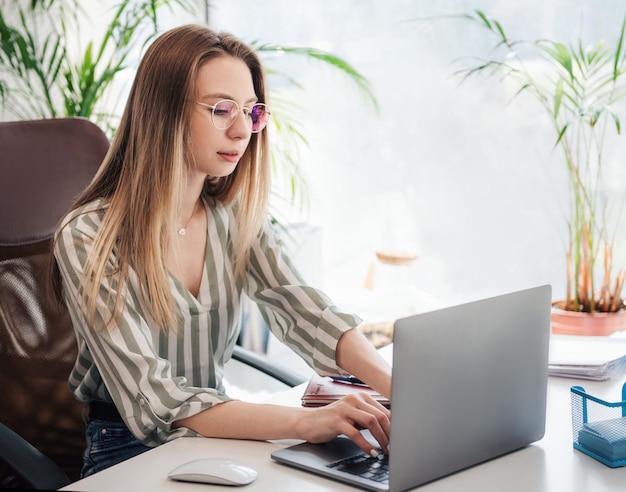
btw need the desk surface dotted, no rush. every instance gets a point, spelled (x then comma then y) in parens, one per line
(547, 465)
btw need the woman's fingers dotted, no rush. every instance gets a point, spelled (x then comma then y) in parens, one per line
(348, 416)
(371, 415)
(360, 440)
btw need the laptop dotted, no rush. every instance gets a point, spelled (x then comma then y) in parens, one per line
(469, 384)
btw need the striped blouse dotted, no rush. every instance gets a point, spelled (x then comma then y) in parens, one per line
(155, 378)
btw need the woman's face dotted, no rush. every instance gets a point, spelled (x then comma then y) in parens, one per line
(216, 151)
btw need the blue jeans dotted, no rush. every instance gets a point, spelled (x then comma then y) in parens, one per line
(108, 443)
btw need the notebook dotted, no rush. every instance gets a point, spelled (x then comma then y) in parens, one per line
(469, 384)
(325, 390)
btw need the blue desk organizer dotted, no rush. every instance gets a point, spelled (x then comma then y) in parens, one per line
(609, 447)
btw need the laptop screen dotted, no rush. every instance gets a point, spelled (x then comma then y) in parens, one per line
(470, 384)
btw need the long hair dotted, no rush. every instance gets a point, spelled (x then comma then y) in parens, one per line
(143, 176)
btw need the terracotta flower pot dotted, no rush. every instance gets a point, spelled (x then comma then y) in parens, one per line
(587, 324)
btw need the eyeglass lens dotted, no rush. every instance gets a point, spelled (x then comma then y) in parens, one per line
(226, 112)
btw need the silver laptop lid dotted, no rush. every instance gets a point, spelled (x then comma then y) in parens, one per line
(469, 384)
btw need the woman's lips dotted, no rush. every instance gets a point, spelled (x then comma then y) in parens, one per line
(230, 156)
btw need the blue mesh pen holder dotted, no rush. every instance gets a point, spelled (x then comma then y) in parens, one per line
(599, 427)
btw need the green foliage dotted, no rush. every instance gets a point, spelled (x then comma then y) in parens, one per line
(578, 88)
(44, 75)
(286, 119)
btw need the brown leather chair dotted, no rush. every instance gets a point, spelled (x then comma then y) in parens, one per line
(44, 164)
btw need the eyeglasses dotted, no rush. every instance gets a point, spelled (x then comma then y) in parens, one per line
(225, 112)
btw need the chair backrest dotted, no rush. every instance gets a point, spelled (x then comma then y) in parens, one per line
(44, 165)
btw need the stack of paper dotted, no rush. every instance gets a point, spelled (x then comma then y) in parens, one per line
(597, 358)
(606, 438)
(324, 390)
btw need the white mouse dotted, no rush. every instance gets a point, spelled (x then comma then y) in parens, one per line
(214, 471)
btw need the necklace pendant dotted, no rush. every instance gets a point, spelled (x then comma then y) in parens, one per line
(182, 231)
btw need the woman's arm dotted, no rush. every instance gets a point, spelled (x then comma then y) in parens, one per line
(356, 355)
(242, 420)
(121, 362)
(307, 320)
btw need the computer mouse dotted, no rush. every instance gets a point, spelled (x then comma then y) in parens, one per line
(214, 471)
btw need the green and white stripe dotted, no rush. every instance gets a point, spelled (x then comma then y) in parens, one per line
(155, 378)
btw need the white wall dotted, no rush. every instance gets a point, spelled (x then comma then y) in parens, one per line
(464, 174)
(468, 174)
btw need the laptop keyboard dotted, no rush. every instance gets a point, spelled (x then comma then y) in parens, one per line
(365, 466)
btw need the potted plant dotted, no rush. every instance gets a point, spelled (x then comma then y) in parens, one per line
(46, 73)
(577, 87)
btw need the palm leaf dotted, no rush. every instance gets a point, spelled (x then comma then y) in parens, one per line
(325, 57)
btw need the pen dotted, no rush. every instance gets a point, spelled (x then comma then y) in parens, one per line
(348, 380)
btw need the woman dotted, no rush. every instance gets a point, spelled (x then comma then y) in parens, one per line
(154, 257)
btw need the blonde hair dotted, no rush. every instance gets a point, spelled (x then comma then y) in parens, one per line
(143, 176)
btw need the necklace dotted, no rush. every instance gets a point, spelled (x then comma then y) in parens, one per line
(183, 230)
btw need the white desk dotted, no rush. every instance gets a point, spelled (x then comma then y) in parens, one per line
(548, 465)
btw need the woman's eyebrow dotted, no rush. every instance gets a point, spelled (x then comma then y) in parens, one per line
(221, 95)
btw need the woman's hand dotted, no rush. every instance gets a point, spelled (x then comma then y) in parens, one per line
(348, 416)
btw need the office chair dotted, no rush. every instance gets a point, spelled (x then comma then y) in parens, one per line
(44, 165)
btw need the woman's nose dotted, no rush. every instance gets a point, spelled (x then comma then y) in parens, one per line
(241, 127)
